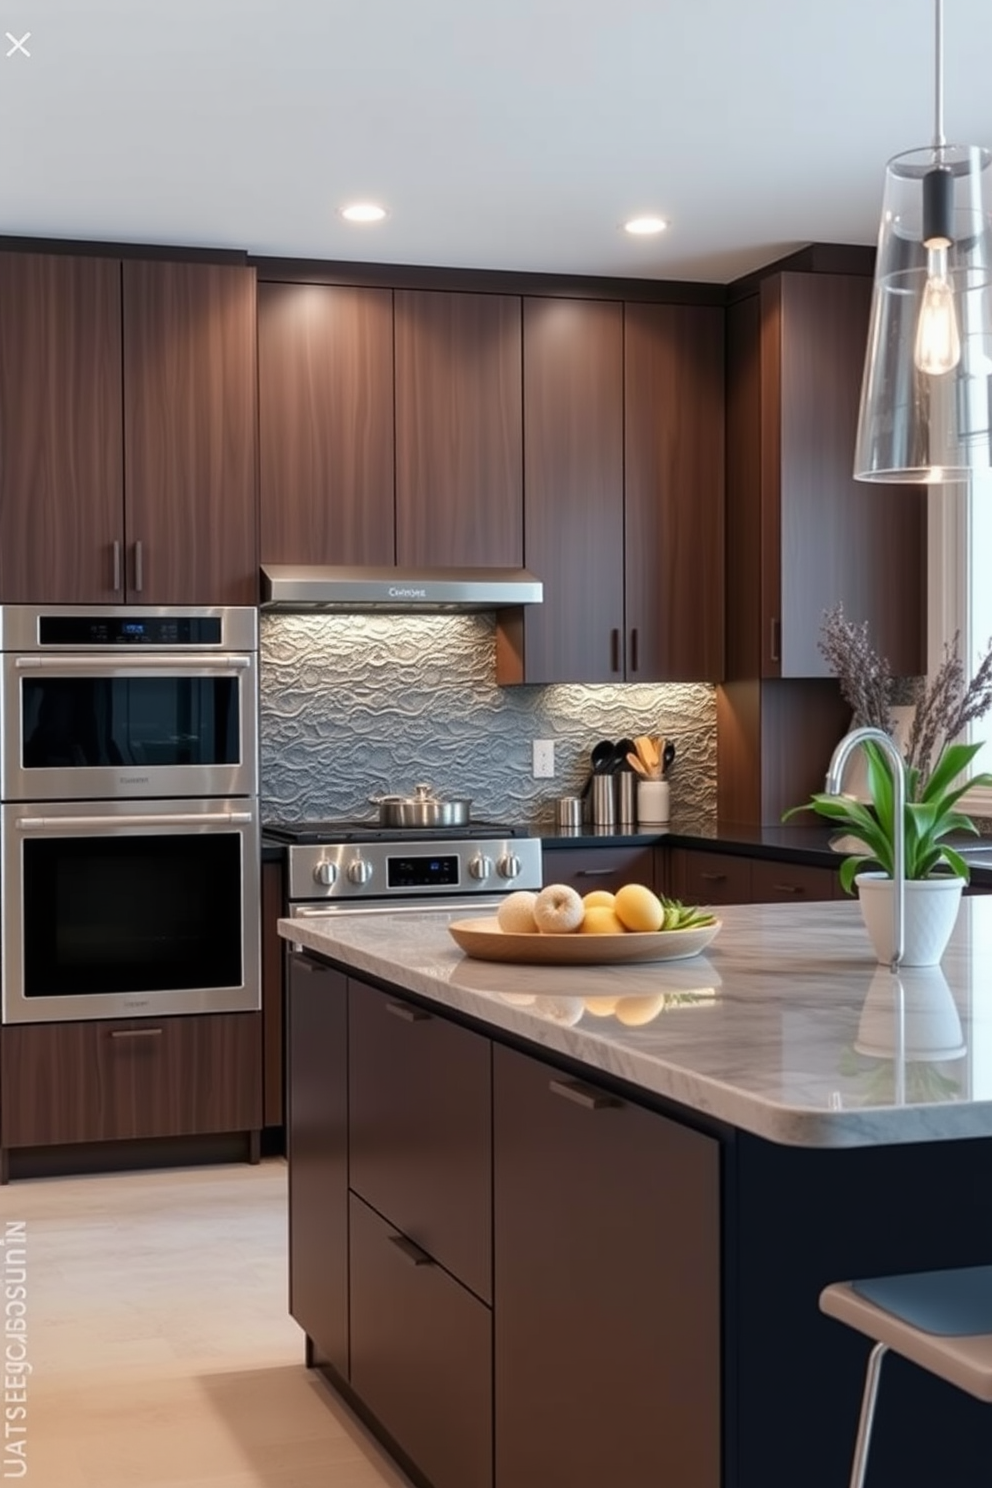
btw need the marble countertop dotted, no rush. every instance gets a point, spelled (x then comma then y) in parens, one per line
(784, 1027)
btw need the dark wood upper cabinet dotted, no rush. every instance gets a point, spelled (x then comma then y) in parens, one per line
(325, 386)
(674, 492)
(190, 433)
(573, 478)
(623, 478)
(459, 496)
(61, 466)
(795, 358)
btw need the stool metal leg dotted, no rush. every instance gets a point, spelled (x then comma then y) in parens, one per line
(868, 1397)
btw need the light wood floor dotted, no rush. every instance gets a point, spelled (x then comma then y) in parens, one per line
(162, 1350)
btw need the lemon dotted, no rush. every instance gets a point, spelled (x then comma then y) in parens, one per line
(601, 919)
(598, 899)
(639, 908)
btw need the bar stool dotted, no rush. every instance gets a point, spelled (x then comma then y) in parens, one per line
(940, 1320)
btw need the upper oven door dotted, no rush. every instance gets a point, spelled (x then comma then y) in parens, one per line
(80, 726)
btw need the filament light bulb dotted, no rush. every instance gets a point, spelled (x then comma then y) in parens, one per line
(938, 340)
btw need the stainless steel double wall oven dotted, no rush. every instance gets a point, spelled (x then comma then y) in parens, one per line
(129, 826)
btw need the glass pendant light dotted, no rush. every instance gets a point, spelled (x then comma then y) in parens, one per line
(926, 396)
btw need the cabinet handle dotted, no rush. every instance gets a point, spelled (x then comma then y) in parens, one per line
(775, 639)
(582, 1095)
(593, 872)
(634, 650)
(138, 568)
(712, 877)
(117, 567)
(614, 650)
(413, 1253)
(407, 1013)
(787, 888)
(133, 1033)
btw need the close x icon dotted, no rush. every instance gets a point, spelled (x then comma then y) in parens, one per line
(18, 45)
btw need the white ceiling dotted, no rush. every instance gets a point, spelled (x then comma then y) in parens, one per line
(517, 134)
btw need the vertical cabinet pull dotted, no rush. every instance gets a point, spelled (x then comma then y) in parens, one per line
(117, 567)
(775, 639)
(408, 1014)
(139, 576)
(634, 650)
(582, 1095)
(614, 650)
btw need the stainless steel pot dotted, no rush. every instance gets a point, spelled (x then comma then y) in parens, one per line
(422, 809)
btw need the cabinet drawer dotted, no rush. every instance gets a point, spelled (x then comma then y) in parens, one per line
(716, 878)
(586, 868)
(127, 1078)
(420, 1129)
(773, 883)
(421, 1354)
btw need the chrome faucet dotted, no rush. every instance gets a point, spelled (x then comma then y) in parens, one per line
(836, 769)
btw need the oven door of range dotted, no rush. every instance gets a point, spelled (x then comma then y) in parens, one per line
(103, 727)
(114, 909)
(456, 905)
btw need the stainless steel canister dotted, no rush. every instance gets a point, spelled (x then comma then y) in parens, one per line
(603, 807)
(568, 811)
(626, 798)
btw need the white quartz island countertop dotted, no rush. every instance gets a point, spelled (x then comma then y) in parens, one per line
(784, 1027)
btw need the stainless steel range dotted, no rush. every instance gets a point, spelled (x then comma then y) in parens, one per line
(364, 867)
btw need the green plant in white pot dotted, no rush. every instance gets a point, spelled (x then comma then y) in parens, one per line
(935, 871)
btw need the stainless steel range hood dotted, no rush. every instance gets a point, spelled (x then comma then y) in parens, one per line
(293, 587)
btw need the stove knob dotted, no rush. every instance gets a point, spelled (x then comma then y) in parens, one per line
(326, 873)
(480, 867)
(509, 866)
(359, 872)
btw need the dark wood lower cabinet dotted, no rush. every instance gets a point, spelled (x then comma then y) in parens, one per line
(421, 1354)
(587, 868)
(130, 1078)
(792, 883)
(607, 1289)
(317, 1120)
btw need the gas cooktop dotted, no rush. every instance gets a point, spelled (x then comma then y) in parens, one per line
(326, 832)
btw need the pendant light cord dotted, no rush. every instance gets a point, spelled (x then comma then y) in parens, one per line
(938, 50)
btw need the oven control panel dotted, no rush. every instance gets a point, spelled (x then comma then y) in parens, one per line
(383, 870)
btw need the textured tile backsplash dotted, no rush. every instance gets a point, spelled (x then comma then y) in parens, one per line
(352, 705)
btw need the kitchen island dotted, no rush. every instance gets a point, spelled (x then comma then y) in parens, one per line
(630, 1184)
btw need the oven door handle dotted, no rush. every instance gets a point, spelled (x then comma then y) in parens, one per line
(171, 819)
(381, 906)
(192, 661)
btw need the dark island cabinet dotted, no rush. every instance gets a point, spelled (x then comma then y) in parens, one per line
(61, 429)
(609, 868)
(317, 1143)
(623, 520)
(190, 483)
(326, 412)
(607, 1284)
(128, 427)
(459, 430)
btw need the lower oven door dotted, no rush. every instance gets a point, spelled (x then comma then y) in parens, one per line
(127, 909)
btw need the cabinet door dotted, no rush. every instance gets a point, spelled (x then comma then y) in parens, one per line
(136, 1077)
(712, 877)
(325, 388)
(607, 1324)
(573, 462)
(420, 1129)
(421, 1354)
(61, 475)
(587, 868)
(787, 883)
(826, 537)
(190, 433)
(674, 482)
(459, 432)
(317, 1119)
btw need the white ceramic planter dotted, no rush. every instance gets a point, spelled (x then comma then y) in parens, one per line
(931, 908)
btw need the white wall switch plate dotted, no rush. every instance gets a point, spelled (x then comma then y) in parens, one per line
(544, 759)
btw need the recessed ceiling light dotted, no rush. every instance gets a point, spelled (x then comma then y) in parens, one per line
(363, 212)
(643, 226)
